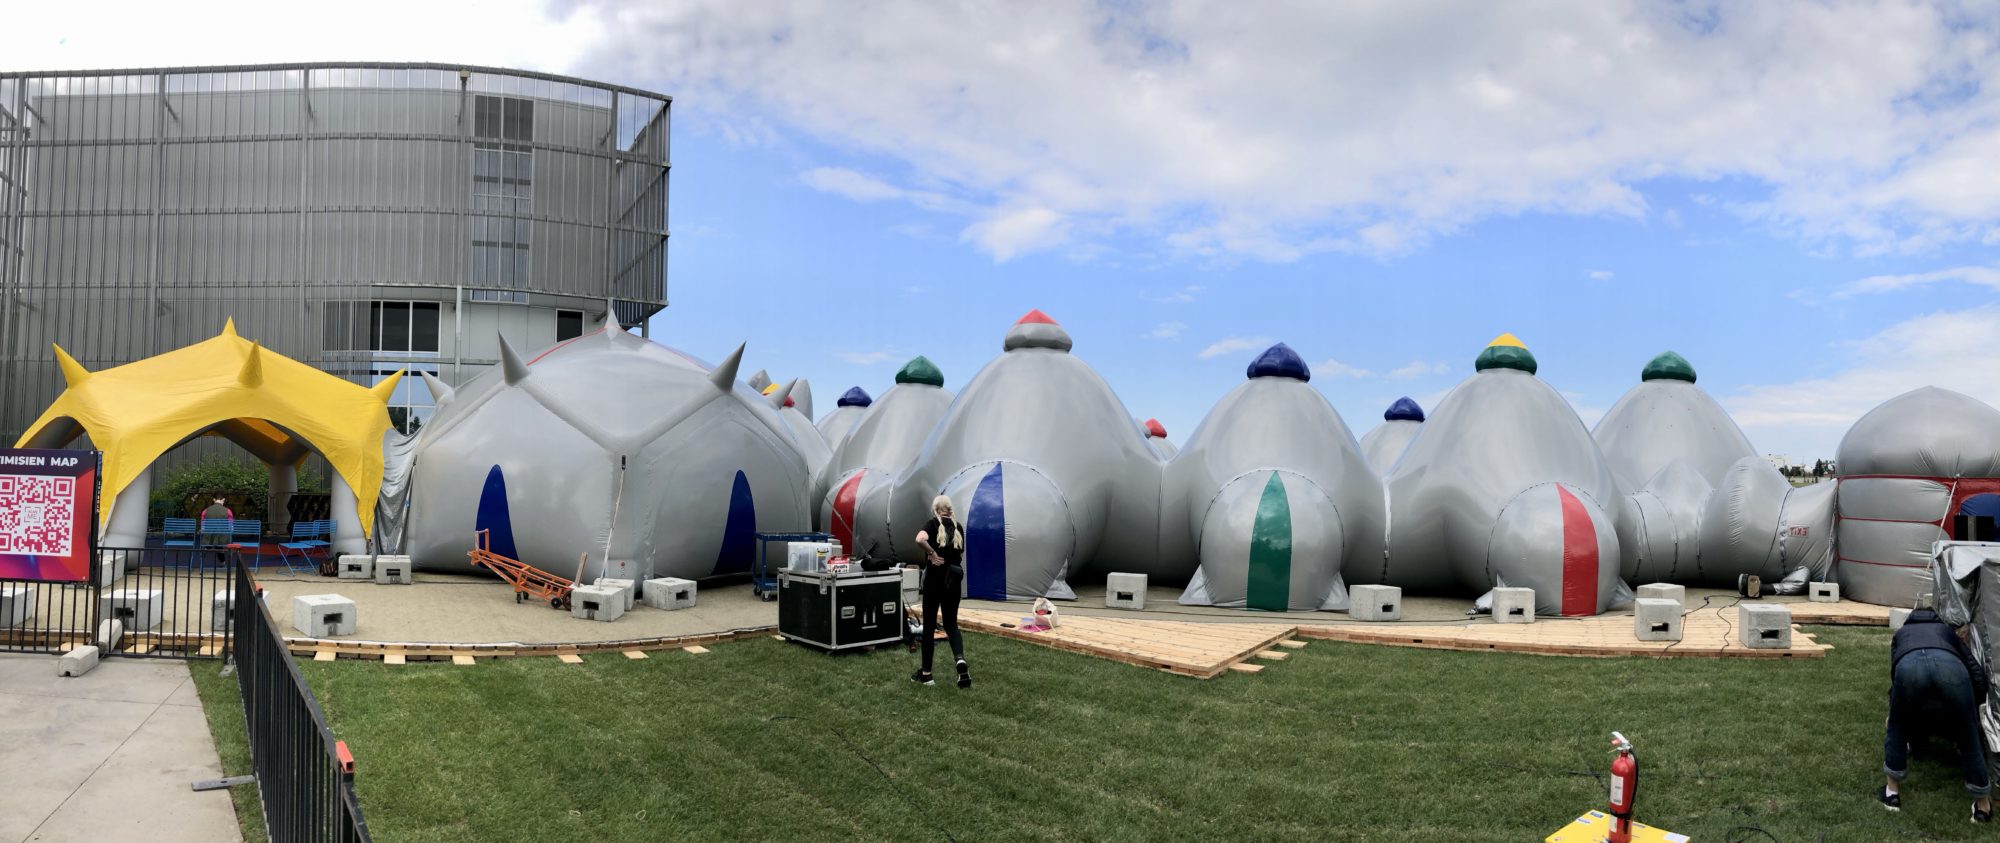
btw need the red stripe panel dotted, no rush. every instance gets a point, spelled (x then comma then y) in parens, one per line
(843, 512)
(1579, 588)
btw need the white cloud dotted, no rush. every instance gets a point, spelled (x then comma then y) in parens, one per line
(840, 181)
(1599, 274)
(866, 358)
(1807, 417)
(1861, 125)
(1184, 295)
(1336, 369)
(1167, 331)
(1233, 345)
(1589, 413)
(1984, 276)
(1418, 369)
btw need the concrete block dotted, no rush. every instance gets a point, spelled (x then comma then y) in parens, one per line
(1513, 605)
(324, 615)
(1823, 592)
(1896, 619)
(17, 605)
(1374, 602)
(1656, 619)
(670, 593)
(138, 608)
(1663, 591)
(355, 567)
(629, 588)
(913, 580)
(220, 607)
(1125, 591)
(1764, 626)
(109, 632)
(394, 570)
(111, 566)
(596, 603)
(77, 661)
(1926, 600)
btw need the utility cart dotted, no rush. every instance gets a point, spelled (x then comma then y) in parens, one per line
(764, 578)
(526, 579)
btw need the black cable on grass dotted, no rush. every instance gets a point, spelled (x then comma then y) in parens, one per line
(1732, 835)
(893, 784)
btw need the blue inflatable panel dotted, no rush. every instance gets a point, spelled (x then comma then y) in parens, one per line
(854, 397)
(1280, 361)
(739, 533)
(492, 515)
(986, 539)
(1404, 410)
(1985, 504)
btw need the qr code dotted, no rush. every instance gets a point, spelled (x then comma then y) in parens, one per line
(35, 512)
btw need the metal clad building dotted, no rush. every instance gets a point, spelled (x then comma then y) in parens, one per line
(359, 217)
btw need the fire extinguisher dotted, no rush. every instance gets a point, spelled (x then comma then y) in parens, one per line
(1624, 789)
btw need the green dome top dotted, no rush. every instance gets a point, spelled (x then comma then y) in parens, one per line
(920, 369)
(1505, 352)
(1668, 366)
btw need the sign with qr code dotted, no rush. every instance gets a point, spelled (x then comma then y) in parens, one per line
(48, 514)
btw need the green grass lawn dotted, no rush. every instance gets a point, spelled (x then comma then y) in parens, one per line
(761, 740)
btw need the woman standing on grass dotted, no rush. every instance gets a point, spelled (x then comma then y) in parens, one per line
(943, 540)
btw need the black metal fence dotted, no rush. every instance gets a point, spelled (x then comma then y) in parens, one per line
(306, 778)
(171, 602)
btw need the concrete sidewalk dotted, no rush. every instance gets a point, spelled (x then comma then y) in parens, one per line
(108, 755)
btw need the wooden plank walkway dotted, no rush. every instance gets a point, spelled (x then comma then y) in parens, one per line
(1202, 650)
(1842, 613)
(1705, 634)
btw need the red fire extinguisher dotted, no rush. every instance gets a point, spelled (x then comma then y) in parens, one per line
(1624, 789)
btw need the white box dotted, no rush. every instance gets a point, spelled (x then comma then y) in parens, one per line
(220, 607)
(1513, 605)
(596, 603)
(670, 593)
(626, 587)
(1656, 619)
(1764, 626)
(808, 556)
(1823, 592)
(355, 567)
(1375, 602)
(138, 608)
(17, 605)
(1663, 591)
(394, 570)
(324, 615)
(111, 566)
(1897, 617)
(913, 580)
(77, 661)
(1125, 591)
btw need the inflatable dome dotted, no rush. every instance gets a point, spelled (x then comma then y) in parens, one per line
(1386, 443)
(1904, 470)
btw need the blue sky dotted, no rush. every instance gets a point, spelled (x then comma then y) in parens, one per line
(1800, 197)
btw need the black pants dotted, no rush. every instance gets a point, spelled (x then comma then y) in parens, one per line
(941, 586)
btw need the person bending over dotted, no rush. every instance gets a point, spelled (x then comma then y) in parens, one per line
(943, 541)
(1934, 682)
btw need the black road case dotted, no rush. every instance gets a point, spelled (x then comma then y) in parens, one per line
(841, 611)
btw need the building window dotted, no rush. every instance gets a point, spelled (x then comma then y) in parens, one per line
(569, 324)
(394, 327)
(500, 251)
(411, 404)
(498, 296)
(503, 118)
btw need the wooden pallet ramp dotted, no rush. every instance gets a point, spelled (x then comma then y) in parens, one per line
(1202, 650)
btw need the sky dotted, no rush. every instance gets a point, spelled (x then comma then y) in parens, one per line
(1802, 198)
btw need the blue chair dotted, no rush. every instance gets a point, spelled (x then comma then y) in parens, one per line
(184, 527)
(251, 531)
(215, 534)
(303, 533)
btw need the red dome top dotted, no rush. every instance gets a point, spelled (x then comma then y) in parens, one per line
(1155, 429)
(1035, 316)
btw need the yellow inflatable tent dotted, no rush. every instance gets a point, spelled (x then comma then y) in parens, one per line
(277, 408)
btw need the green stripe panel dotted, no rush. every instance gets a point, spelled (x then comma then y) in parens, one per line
(1270, 585)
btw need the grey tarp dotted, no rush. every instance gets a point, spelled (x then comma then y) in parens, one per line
(1492, 490)
(635, 457)
(1901, 468)
(1966, 591)
(399, 452)
(1042, 462)
(1272, 495)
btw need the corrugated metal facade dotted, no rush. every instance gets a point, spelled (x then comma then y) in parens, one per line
(139, 209)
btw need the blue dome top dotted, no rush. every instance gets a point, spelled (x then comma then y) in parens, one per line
(1280, 361)
(854, 397)
(1404, 410)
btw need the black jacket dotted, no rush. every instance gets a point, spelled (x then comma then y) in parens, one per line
(1924, 630)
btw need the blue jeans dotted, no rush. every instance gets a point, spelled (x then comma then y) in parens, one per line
(1934, 682)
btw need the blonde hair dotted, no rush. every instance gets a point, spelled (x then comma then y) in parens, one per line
(950, 534)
